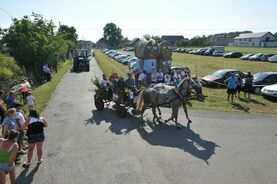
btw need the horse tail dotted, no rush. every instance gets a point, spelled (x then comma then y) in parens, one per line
(140, 102)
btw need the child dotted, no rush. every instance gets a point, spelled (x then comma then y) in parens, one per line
(30, 100)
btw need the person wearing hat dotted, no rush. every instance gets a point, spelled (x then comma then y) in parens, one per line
(20, 120)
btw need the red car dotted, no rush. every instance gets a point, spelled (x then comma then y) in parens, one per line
(217, 78)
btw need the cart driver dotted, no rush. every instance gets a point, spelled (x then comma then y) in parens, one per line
(104, 83)
(130, 82)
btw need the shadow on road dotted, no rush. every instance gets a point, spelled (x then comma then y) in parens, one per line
(24, 178)
(159, 135)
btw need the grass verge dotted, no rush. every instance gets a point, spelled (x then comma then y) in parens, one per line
(44, 92)
(109, 65)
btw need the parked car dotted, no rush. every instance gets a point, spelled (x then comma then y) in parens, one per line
(217, 78)
(273, 59)
(193, 51)
(233, 55)
(200, 51)
(270, 91)
(256, 57)
(265, 57)
(209, 52)
(218, 53)
(246, 57)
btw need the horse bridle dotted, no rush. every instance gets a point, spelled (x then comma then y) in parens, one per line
(188, 91)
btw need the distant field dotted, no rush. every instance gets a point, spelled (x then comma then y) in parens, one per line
(251, 50)
(203, 65)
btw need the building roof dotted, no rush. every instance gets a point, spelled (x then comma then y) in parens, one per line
(172, 38)
(251, 35)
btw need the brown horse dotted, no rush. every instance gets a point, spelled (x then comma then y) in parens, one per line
(161, 95)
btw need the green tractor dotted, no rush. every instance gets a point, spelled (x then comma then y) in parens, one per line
(81, 60)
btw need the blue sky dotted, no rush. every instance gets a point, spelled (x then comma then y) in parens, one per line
(155, 17)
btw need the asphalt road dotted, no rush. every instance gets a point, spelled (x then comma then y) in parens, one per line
(86, 146)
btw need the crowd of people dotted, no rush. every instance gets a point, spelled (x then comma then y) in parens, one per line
(21, 132)
(234, 86)
(137, 79)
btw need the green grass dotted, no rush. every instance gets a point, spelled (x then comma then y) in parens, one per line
(251, 50)
(109, 65)
(216, 98)
(44, 92)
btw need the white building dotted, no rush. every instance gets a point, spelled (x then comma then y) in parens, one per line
(263, 39)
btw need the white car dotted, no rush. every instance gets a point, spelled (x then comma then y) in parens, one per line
(270, 91)
(273, 59)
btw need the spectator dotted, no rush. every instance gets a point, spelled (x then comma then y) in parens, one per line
(35, 134)
(177, 78)
(47, 72)
(10, 99)
(167, 79)
(142, 78)
(24, 89)
(154, 77)
(231, 87)
(239, 80)
(8, 152)
(20, 120)
(160, 76)
(9, 122)
(130, 82)
(248, 84)
(3, 109)
(30, 100)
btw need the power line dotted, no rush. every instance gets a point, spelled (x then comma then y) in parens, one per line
(8, 13)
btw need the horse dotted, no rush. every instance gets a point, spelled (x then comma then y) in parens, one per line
(161, 95)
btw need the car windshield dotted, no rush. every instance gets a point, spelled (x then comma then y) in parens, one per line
(260, 76)
(256, 55)
(219, 73)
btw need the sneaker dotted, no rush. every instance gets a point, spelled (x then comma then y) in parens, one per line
(25, 164)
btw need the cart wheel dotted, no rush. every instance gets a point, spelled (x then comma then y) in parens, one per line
(121, 112)
(99, 104)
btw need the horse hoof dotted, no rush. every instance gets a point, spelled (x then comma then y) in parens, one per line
(178, 127)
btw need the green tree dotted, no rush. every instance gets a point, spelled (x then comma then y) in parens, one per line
(112, 35)
(70, 35)
(33, 42)
(10, 72)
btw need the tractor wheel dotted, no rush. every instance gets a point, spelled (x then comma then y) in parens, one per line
(99, 104)
(121, 112)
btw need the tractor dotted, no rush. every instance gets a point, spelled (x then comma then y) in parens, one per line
(81, 60)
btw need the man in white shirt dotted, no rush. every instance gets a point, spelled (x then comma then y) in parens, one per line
(104, 82)
(141, 78)
(167, 79)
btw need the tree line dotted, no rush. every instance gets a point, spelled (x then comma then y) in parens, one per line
(31, 42)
